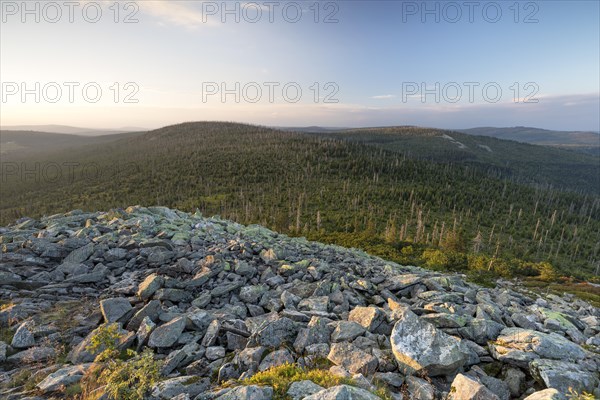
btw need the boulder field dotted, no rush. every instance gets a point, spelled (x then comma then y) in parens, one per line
(218, 303)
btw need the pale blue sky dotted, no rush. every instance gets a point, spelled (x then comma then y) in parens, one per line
(379, 55)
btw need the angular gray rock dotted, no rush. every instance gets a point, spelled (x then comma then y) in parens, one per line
(62, 378)
(419, 389)
(33, 355)
(515, 380)
(316, 332)
(302, 389)
(114, 309)
(563, 375)
(468, 388)
(149, 286)
(275, 359)
(150, 310)
(173, 295)
(24, 337)
(250, 392)
(368, 317)
(343, 392)
(347, 331)
(167, 335)
(3, 348)
(481, 330)
(80, 255)
(190, 385)
(276, 333)
(420, 347)
(214, 353)
(352, 358)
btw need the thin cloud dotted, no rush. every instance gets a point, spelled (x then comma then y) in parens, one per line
(181, 13)
(384, 96)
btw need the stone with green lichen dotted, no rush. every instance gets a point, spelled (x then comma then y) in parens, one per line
(565, 324)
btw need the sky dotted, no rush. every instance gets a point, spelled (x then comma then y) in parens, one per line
(444, 64)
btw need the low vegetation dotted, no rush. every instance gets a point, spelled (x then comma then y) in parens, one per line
(126, 375)
(281, 377)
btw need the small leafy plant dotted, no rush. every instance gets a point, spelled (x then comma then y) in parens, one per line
(123, 375)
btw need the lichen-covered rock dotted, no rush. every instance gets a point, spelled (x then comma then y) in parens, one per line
(352, 358)
(420, 347)
(519, 347)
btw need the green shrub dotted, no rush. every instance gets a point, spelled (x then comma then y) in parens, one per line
(124, 375)
(546, 271)
(105, 341)
(280, 378)
(435, 259)
(130, 379)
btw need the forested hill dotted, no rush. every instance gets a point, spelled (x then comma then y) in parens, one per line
(327, 189)
(522, 162)
(585, 141)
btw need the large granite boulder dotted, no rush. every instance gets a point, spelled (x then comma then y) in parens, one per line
(519, 347)
(420, 347)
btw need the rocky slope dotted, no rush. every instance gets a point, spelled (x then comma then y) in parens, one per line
(218, 302)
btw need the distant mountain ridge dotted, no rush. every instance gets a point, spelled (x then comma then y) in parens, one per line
(504, 157)
(70, 130)
(582, 141)
(17, 143)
